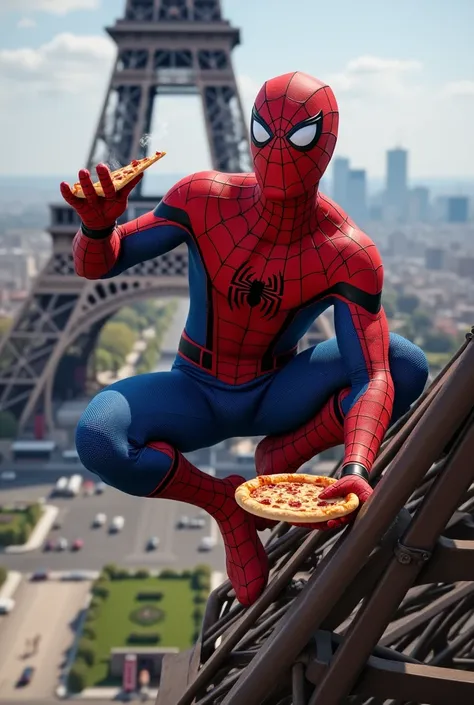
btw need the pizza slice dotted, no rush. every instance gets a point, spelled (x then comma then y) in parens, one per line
(121, 177)
(293, 498)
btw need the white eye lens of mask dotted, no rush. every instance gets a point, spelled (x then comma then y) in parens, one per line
(259, 133)
(303, 136)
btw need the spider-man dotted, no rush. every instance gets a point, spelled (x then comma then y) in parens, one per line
(268, 253)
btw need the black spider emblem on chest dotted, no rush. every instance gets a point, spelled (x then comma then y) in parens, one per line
(246, 289)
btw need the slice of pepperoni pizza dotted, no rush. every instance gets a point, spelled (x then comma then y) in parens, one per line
(121, 177)
(293, 498)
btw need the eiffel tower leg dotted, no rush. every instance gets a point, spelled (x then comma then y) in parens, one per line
(225, 124)
(61, 308)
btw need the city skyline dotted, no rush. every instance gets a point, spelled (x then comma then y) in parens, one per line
(52, 50)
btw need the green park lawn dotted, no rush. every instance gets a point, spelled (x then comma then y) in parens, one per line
(113, 625)
(16, 524)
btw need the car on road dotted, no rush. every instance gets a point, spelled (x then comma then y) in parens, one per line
(197, 523)
(8, 476)
(100, 487)
(26, 676)
(57, 525)
(89, 488)
(153, 543)
(99, 520)
(207, 543)
(49, 545)
(39, 576)
(62, 544)
(77, 545)
(182, 523)
(6, 605)
(117, 524)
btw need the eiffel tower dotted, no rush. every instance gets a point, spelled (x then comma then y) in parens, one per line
(164, 47)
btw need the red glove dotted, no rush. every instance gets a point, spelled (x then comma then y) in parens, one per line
(345, 485)
(99, 212)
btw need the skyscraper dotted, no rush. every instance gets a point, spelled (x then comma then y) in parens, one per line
(458, 209)
(357, 196)
(396, 193)
(340, 175)
(419, 204)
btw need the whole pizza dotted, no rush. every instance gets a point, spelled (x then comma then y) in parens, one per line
(121, 177)
(293, 498)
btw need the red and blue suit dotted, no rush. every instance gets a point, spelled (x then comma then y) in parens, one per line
(268, 253)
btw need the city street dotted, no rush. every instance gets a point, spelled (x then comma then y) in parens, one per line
(144, 518)
(48, 609)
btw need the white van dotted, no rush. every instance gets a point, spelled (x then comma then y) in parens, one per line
(207, 543)
(60, 486)
(6, 605)
(117, 524)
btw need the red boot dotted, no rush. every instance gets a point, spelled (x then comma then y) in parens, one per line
(289, 451)
(246, 560)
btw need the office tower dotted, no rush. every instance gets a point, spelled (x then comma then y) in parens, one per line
(340, 179)
(396, 194)
(435, 258)
(457, 209)
(357, 196)
(419, 205)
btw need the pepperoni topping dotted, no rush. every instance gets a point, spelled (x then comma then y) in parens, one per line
(135, 162)
(265, 501)
(294, 503)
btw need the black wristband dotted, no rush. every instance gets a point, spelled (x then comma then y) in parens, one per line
(355, 469)
(98, 234)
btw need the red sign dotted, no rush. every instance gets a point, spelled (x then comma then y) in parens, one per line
(129, 680)
(39, 427)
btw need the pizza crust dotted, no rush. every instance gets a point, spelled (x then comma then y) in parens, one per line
(121, 177)
(249, 496)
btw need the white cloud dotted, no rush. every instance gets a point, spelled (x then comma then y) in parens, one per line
(384, 102)
(67, 64)
(54, 7)
(26, 23)
(56, 91)
(459, 89)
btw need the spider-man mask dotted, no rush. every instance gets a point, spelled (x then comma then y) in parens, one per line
(293, 133)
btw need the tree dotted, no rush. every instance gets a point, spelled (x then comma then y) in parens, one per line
(103, 360)
(5, 324)
(389, 300)
(437, 341)
(421, 322)
(407, 303)
(8, 425)
(118, 339)
(131, 317)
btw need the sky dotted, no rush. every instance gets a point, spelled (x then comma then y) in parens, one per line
(402, 71)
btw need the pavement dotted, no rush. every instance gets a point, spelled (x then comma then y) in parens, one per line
(34, 615)
(143, 518)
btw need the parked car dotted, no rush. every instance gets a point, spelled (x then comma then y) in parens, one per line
(207, 543)
(100, 487)
(49, 545)
(182, 523)
(26, 676)
(89, 488)
(99, 520)
(153, 543)
(197, 523)
(6, 605)
(39, 575)
(62, 544)
(77, 545)
(117, 524)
